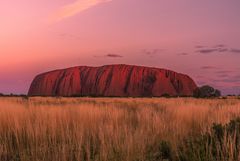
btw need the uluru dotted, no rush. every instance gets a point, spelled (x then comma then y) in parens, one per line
(112, 80)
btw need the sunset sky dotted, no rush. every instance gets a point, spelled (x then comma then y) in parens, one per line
(200, 38)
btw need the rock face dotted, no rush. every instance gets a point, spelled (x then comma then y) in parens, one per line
(112, 80)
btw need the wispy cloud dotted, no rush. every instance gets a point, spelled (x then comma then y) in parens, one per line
(114, 56)
(235, 50)
(206, 51)
(199, 46)
(220, 48)
(183, 54)
(224, 72)
(109, 56)
(223, 75)
(74, 8)
(153, 52)
(208, 67)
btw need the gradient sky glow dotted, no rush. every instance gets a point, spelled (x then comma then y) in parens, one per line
(200, 38)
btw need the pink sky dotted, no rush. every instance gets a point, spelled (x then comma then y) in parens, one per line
(199, 38)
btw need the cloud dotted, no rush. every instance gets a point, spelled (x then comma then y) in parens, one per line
(230, 80)
(68, 36)
(74, 8)
(237, 77)
(183, 54)
(113, 56)
(207, 51)
(223, 71)
(220, 48)
(208, 67)
(152, 52)
(199, 46)
(223, 75)
(235, 50)
(109, 56)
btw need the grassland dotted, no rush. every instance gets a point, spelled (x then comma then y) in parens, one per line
(119, 129)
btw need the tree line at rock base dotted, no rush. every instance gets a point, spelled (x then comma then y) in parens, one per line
(205, 91)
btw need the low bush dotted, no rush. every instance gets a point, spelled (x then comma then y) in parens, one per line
(206, 91)
(222, 143)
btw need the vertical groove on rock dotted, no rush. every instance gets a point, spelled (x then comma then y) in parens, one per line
(85, 89)
(108, 81)
(70, 89)
(81, 76)
(59, 80)
(128, 81)
(99, 73)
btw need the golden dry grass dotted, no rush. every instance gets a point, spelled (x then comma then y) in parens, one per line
(104, 129)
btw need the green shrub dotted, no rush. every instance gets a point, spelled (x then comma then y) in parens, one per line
(221, 144)
(159, 151)
(206, 92)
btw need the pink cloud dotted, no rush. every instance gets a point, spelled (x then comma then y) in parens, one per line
(74, 8)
